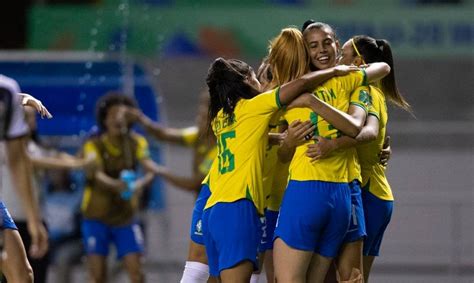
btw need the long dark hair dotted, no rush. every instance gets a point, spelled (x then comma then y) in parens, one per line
(226, 82)
(379, 50)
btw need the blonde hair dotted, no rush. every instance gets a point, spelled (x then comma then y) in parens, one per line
(288, 57)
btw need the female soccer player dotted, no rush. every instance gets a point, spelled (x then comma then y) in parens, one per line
(317, 35)
(288, 60)
(275, 173)
(111, 195)
(377, 196)
(275, 180)
(302, 229)
(239, 118)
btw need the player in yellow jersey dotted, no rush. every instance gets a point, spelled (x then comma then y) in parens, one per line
(288, 60)
(112, 191)
(204, 148)
(350, 254)
(309, 232)
(275, 173)
(376, 194)
(239, 118)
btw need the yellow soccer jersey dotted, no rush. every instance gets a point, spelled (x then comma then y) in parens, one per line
(336, 92)
(361, 98)
(141, 152)
(90, 149)
(275, 174)
(373, 173)
(241, 142)
(190, 135)
(271, 156)
(269, 162)
(206, 179)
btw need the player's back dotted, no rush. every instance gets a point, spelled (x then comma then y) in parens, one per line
(242, 139)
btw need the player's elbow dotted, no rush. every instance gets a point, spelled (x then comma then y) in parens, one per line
(367, 135)
(353, 131)
(385, 69)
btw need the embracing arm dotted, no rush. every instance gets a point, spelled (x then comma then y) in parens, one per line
(376, 71)
(276, 138)
(349, 124)
(298, 132)
(324, 147)
(310, 81)
(285, 152)
(386, 152)
(370, 131)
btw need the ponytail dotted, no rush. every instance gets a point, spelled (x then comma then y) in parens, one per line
(379, 50)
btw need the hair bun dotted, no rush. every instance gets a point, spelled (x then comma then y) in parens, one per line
(220, 62)
(306, 24)
(380, 44)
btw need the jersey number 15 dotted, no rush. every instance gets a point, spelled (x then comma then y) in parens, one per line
(226, 157)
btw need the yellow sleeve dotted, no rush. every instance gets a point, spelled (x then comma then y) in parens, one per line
(206, 179)
(190, 135)
(143, 151)
(265, 102)
(354, 80)
(374, 108)
(361, 97)
(90, 151)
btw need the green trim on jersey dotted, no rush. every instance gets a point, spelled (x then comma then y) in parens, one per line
(277, 97)
(375, 115)
(365, 81)
(360, 105)
(248, 195)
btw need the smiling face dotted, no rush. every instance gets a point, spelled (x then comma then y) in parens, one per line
(323, 47)
(348, 56)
